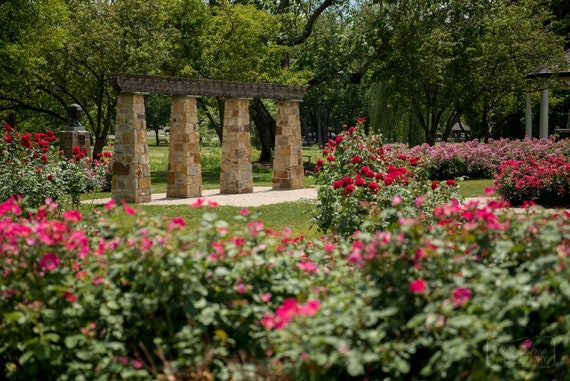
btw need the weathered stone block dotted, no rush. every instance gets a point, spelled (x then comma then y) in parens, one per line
(120, 169)
(144, 182)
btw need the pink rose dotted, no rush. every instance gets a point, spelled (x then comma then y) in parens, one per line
(461, 296)
(418, 286)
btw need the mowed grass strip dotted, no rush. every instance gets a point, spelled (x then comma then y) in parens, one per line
(294, 215)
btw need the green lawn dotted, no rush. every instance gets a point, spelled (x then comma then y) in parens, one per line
(295, 215)
(475, 188)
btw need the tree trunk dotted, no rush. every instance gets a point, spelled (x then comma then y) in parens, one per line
(100, 128)
(217, 126)
(486, 127)
(427, 130)
(453, 118)
(155, 129)
(266, 126)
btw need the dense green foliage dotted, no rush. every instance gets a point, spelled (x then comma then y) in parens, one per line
(413, 287)
(481, 293)
(460, 59)
(433, 62)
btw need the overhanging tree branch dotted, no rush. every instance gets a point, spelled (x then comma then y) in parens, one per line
(310, 23)
(17, 104)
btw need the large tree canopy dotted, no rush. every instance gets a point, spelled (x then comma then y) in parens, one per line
(448, 59)
(87, 42)
(426, 62)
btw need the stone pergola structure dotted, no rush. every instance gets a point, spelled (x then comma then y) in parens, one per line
(131, 172)
(545, 76)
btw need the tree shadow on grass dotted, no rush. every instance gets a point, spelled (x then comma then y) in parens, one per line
(262, 176)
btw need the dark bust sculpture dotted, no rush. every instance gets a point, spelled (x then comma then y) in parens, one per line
(75, 115)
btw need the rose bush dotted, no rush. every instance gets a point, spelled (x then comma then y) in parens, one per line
(74, 303)
(480, 293)
(359, 176)
(32, 166)
(545, 181)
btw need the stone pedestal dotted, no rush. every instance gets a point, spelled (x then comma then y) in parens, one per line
(236, 173)
(131, 171)
(70, 139)
(184, 177)
(288, 171)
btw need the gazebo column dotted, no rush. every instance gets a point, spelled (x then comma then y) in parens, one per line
(528, 114)
(131, 171)
(236, 171)
(544, 114)
(184, 178)
(288, 171)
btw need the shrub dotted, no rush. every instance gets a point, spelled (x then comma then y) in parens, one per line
(101, 172)
(481, 293)
(358, 177)
(32, 167)
(476, 159)
(545, 181)
(75, 303)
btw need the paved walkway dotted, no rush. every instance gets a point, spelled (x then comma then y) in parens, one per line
(260, 196)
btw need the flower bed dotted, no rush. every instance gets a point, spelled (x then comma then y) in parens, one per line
(525, 171)
(417, 285)
(545, 181)
(32, 166)
(475, 159)
(479, 293)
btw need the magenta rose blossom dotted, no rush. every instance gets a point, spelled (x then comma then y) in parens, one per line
(49, 261)
(418, 286)
(461, 296)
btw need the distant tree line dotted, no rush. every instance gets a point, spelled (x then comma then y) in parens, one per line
(412, 68)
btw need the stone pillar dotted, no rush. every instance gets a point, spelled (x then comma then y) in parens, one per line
(528, 115)
(236, 173)
(288, 171)
(544, 114)
(131, 170)
(75, 134)
(70, 139)
(184, 177)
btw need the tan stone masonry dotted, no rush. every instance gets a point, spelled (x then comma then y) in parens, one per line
(236, 173)
(288, 171)
(184, 178)
(131, 172)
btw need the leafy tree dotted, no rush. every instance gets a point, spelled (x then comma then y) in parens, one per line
(514, 43)
(241, 47)
(57, 52)
(451, 58)
(335, 96)
(561, 24)
(97, 38)
(27, 30)
(255, 42)
(157, 110)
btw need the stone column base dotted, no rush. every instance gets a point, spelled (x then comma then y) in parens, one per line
(70, 139)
